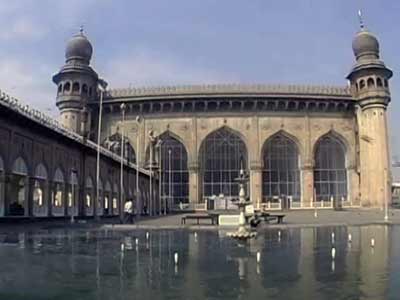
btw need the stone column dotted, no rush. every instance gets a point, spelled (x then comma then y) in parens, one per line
(307, 184)
(29, 202)
(2, 194)
(194, 183)
(353, 191)
(255, 192)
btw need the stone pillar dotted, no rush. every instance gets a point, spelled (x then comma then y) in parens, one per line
(194, 183)
(255, 191)
(353, 182)
(307, 185)
(374, 156)
(2, 194)
(29, 199)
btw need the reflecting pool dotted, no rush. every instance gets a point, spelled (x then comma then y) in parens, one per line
(296, 264)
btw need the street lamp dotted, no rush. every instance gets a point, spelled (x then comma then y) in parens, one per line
(102, 85)
(170, 176)
(121, 189)
(73, 179)
(160, 179)
(138, 203)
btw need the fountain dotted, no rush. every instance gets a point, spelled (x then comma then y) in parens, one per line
(244, 232)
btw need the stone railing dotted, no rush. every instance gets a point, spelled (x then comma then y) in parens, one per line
(49, 122)
(231, 89)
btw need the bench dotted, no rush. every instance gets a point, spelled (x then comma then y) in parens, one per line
(278, 218)
(213, 218)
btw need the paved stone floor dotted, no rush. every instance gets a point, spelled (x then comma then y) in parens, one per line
(292, 219)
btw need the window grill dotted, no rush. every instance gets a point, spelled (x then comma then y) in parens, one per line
(281, 174)
(222, 155)
(330, 179)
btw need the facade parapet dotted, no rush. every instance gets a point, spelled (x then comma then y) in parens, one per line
(231, 89)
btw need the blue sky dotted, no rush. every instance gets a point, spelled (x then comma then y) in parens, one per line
(141, 43)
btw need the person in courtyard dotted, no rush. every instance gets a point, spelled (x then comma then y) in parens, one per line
(128, 212)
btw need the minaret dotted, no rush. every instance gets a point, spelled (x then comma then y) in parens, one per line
(76, 84)
(369, 80)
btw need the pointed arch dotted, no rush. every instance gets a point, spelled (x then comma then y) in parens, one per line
(41, 172)
(58, 176)
(336, 135)
(222, 154)
(330, 174)
(281, 169)
(173, 162)
(20, 167)
(292, 138)
(113, 143)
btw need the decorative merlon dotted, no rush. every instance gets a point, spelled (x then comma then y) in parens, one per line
(215, 89)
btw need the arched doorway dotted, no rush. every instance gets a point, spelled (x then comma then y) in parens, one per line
(19, 189)
(113, 143)
(107, 198)
(174, 175)
(330, 174)
(58, 205)
(115, 200)
(89, 195)
(281, 173)
(40, 191)
(222, 154)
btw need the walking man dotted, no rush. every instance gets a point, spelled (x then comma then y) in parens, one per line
(128, 212)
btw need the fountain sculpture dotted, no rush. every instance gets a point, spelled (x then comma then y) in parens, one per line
(244, 232)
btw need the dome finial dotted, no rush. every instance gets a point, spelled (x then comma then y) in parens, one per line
(81, 29)
(360, 18)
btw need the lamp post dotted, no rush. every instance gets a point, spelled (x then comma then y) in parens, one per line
(102, 85)
(121, 188)
(169, 176)
(138, 202)
(160, 180)
(73, 177)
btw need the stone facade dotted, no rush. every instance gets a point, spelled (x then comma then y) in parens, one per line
(303, 146)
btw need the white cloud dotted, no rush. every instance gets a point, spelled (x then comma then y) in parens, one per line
(22, 28)
(26, 83)
(144, 68)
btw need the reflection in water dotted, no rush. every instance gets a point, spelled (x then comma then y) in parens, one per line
(295, 263)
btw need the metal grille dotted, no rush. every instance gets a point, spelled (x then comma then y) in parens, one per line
(222, 154)
(174, 170)
(330, 179)
(281, 174)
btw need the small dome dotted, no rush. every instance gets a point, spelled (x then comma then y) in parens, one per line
(365, 44)
(79, 47)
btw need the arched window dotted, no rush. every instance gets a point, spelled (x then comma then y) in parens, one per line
(174, 175)
(73, 193)
(67, 87)
(90, 92)
(330, 178)
(362, 84)
(39, 187)
(58, 192)
(75, 87)
(386, 83)
(379, 82)
(19, 167)
(59, 88)
(19, 182)
(370, 82)
(100, 199)
(115, 199)
(222, 155)
(113, 143)
(89, 195)
(281, 173)
(84, 89)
